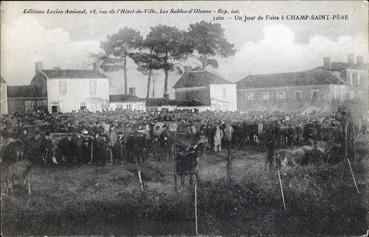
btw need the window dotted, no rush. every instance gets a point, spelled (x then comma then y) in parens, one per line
(83, 106)
(224, 92)
(249, 96)
(266, 96)
(281, 95)
(298, 95)
(62, 85)
(352, 94)
(357, 81)
(93, 87)
(315, 94)
(29, 105)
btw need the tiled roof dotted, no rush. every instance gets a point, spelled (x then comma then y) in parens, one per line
(124, 98)
(305, 78)
(199, 78)
(73, 73)
(24, 91)
(167, 102)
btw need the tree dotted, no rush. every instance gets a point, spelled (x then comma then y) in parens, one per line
(146, 62)
(119, 46)
(208, 40)
(169, 44)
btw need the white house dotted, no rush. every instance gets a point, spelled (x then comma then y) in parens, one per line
(207, 88)
(130, 102)
(4, 97)
(72, 89)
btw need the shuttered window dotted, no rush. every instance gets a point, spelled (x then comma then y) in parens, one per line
(93, 87)
(63, 89)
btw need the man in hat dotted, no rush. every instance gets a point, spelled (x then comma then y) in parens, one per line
(47, 149)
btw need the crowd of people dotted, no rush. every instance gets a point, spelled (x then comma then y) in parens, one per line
(130, 136)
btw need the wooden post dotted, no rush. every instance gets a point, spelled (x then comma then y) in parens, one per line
(346, 140)
(353, 177)
(140, 179)
(196, 226)
(280, 184)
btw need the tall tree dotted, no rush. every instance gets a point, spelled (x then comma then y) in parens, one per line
(119, 46)
(208, 40)
(147, 61)
(169, 44)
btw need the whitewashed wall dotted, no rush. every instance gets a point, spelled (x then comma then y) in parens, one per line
(78, 92)
(223, 97)
(4, 99)
(140, 105)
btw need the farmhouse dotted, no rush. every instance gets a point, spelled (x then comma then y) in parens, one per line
(207, 89)
(72, 89)
(26, 98)
(323, 88)
(4, 97)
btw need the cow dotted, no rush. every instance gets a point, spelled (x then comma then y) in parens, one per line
(14, 151)
(186, 163)
(18, 173)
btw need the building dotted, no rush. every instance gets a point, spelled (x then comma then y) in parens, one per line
(73, 89)
(323, 88)
(208, 89)
(130, 102)
(26, 99)
(4, 97)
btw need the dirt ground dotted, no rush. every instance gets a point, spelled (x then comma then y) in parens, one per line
(67, 191)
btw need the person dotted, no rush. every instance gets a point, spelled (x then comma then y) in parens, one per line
(270, 149)
(46, 150)
(218, 136)
(228, 133)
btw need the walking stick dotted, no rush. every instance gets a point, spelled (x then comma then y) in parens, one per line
(353, 177)
(196, 226)
(140, 179)
(280, 184)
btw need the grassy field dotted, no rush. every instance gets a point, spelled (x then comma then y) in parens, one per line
(107, 200)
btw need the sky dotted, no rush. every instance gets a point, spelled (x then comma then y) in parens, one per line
(268, 46)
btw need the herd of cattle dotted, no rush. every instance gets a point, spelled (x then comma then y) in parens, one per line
(129, 136)
(71, 140)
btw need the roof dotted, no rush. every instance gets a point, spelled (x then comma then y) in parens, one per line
(167, 102)
(199, 78)
(124, 98)
(339, 66)
(305, 78)
(24, 91)
(73, 73)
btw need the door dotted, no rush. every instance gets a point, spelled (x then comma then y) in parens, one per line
(54, 109)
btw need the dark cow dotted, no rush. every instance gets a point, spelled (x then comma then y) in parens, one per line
(186, 163)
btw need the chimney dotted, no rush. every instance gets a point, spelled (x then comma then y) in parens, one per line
(350, 59)
(187, 69)
(359, 60)
(327, 63)
(38, 67)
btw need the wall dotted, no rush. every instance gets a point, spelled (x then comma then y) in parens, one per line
(23, 104)
(201, 94)
(128, 105)
(4, 99)
(327, 95)
(78, 92)
(15, 105)
(223, 97)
